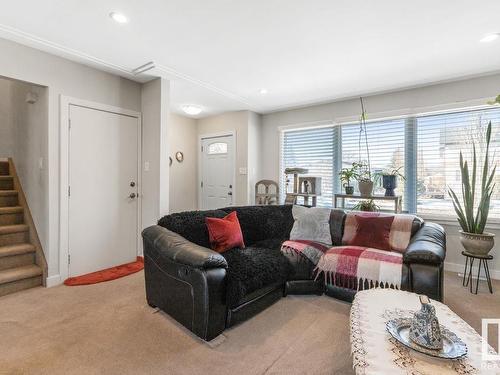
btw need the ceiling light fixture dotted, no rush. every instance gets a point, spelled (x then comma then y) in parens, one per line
(191, 109)
(263, 91)
(118, 17)
(489, 37)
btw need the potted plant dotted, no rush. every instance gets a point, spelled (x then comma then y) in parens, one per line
(472, 236)
(348, 174)
(390, 180)
(365, 183)
(366, 205)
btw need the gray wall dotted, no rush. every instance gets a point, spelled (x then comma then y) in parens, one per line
(459, 94)
(7, 129)
(155, 196)
(62, 77)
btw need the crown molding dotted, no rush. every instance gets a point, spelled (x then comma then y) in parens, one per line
(45, 45)
(143, 73)
(170, 72)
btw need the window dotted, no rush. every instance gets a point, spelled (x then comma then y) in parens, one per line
(386, 142)
(426, 148)
(440, 138)
(312, 149)
(217, 148)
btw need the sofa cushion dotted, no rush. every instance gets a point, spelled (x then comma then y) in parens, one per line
(251, 269)
(373, 232)
(259, 223)
(191, 225)
(225, 233)
(311, 224)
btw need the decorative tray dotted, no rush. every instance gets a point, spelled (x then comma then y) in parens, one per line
(453, 346)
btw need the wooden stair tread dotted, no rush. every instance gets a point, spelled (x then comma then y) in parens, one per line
(7, 193)
(6, 177)
(19, 249)
(19, 273)
(11, 210)
(7, 229)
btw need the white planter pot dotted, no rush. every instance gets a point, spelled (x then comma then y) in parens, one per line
(477, 244)
(365, 188)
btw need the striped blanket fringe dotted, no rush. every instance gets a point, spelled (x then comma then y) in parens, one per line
(360, 268)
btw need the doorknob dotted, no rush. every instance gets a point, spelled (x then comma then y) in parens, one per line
(132, 196)
(132, 183)
(229, 193)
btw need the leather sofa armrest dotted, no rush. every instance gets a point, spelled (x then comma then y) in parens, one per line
(176, 248)
(427, 246)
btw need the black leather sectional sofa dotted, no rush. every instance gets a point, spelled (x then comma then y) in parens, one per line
(207, 292)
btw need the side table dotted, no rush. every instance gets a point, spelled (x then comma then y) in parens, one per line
(469, 261)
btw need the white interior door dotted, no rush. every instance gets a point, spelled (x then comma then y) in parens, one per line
(217, 172)
(103, 172)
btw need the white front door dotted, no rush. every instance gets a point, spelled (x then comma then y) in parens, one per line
(103, 207)
(217, 172)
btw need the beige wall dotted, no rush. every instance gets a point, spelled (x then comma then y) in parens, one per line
(183, 136)
(459, 94)
(254, 153)
(238, 123)
(62, 77)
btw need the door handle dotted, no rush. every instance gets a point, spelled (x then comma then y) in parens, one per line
(132, 196)
(229, 193)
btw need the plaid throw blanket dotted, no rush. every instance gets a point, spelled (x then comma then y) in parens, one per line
(400, 234)
(350, 266)
(303, 249)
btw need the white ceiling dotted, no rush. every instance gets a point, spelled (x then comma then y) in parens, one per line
(220, 53)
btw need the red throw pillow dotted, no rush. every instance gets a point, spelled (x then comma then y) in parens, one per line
(373, 231)
(225, 233)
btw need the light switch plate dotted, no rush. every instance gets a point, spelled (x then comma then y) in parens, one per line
(243, 170)
(146, 166)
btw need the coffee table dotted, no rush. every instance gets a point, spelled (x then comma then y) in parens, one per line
(375, 351)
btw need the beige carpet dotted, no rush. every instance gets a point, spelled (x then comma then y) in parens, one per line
(108, 329)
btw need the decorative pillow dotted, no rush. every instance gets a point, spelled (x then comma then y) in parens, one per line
(224, 233)
(373, 231)
(311, 224)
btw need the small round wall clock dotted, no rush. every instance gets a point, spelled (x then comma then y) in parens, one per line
(179, 156)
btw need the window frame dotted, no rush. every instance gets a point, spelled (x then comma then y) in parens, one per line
(410, 159)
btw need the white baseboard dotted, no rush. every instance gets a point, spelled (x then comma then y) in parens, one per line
(459, 268)
(53, 281)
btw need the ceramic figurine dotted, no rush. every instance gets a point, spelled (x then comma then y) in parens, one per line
(424, 329)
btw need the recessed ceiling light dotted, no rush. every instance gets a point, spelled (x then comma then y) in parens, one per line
(263, 91)
(191, 109)
(118, 17)
(489, 37)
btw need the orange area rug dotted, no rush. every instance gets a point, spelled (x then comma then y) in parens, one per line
(107, 274)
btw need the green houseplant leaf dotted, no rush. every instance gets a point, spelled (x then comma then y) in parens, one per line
(470, 222)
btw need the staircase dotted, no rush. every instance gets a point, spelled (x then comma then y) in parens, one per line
(22, 263)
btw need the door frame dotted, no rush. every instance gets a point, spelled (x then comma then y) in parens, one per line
(64, 108)
(201, 137)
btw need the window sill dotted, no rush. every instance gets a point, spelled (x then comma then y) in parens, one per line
(451, 221)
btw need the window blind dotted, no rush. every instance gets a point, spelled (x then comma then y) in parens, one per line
(313, 149)
(386, 142)
(440, 138)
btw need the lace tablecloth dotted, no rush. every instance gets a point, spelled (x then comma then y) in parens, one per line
(375, 351)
